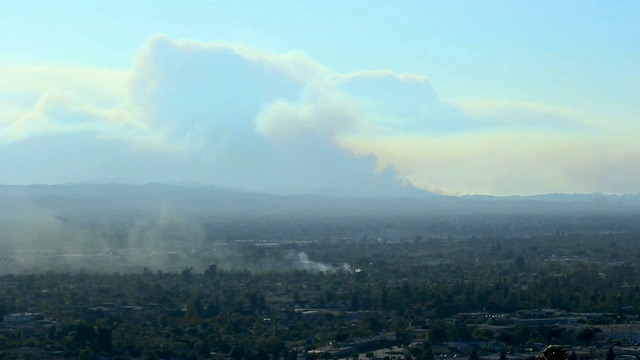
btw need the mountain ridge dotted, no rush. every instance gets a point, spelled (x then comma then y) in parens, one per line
(129, 200)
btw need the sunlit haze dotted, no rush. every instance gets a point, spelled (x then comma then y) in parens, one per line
(293, 97)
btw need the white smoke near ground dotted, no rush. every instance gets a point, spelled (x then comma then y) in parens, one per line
(39, 234)
(300, 260)
(35, 239)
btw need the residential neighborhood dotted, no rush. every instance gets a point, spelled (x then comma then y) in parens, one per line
(493, 298)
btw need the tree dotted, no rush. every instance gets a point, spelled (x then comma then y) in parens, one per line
(194, 308)
(610, 354)
(404, 338)
(105, 339)
(587, 335)
(522, 334)
(85, 354)
(237, 352)
(555, 352)
(84, 333)
(211, 271)
(203, 349)
(461, 332)
(291, 355)
(372, 323)
(187, 274)
(473, 355)
(437, 333)
(150, 355)
(272, 345)
(428, 354)
(354, 302)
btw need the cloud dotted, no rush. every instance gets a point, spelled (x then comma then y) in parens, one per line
(99, 86)
(233, 108)
(323, 112)
(500, 113)
(398, 103)
(511, 162)
(213, 112)
(243, 118)
(46, 101)
(217, 83)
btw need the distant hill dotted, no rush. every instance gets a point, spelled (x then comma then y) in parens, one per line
(113, 200)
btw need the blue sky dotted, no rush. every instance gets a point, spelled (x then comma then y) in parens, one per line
(456, 97)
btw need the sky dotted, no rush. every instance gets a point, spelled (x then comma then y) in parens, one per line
(350, 97)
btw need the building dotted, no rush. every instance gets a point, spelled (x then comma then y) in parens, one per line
(19, 318)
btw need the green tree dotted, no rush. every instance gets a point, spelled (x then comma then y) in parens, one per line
(85, 354)
(272, 345)
(372, 323)
(83, 334)
(473, 355)
(522, 334)
(203, 349)
(428, 354)
(187, 274)
(503, 354)
(610, 354)
(404, 338)
(354, 301)
(211, 271)
(105, 339)
(438, 332)
(461, 332)
(555, 352)
(237, 352)
(587, 335)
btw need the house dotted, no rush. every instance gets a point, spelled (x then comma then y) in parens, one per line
(20, 318)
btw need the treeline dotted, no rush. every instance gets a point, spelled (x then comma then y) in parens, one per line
(386, 287)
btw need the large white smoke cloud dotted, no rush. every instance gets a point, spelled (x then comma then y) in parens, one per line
(238, 117)
(213, 113)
